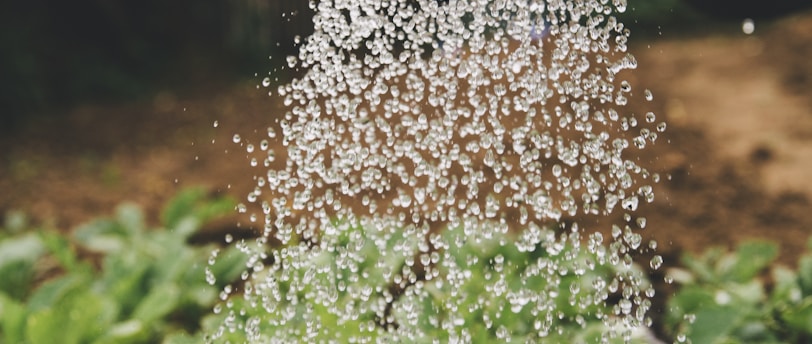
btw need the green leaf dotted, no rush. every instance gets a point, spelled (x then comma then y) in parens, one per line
(800, 318)
(17, 279)
(751, 258)
(192, 207)
(805, 274)
(174, 266)
(12, 319)
(703, 267)
(124, 277)
(215, 208)
(159, 302)
(228, 266)
(714, 324)
(46, 326)
(61, 248)
(181, 338)
(786, 287)
(181, 206)
(17, 258)
(202, 294)
(131, 218)
(105, 236)
(130, 331)
(755, 331)
(194, 202)
(93, 313)
(79, 317)
(687, 301)
(185, 227)
(53, 291)
(751, 292)
(27, 247)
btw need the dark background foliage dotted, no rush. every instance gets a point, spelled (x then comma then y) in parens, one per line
(59, 53)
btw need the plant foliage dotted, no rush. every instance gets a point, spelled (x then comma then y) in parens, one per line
(726, 297)
(376, 295)
(150, 282)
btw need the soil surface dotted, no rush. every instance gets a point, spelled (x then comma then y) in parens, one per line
(738, 148)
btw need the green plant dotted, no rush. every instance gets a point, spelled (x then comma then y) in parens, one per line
(150, 283)
(367, 283)
(726, 298)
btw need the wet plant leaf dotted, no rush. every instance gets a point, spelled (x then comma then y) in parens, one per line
(714, 324)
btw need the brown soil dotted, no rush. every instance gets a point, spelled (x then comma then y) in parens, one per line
(739, 109)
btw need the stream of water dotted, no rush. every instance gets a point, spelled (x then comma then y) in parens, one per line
(438, 159)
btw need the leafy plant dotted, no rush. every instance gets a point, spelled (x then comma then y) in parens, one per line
(726, 298)
(381, 283)
(151, 282)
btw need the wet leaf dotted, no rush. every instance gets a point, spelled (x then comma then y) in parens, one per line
(714, 324)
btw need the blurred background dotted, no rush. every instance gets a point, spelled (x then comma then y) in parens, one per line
(104, 101)
(58, 54)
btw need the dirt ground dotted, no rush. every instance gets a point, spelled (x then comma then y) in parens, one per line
(739, 151)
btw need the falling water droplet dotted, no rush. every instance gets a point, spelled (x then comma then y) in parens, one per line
(748, 26)
(630, 203)
(291, 61)
(439, 163)
(656, 262)
(661, 126)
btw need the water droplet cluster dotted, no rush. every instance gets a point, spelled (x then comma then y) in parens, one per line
(439, 148)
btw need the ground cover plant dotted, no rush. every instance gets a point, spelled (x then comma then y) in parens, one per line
(742, 297)
(115, 281)
(360, 288)
(145, 284)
